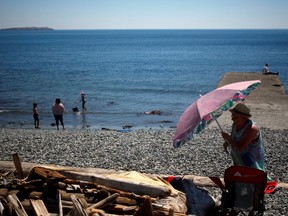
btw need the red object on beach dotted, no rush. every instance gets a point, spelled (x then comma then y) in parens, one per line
(209, 107)
(270, 187)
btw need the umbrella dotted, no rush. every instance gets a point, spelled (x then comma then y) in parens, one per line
(209, 107)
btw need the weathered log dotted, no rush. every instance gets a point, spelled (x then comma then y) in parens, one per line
(125, 200)
(141, 184)
(66, 203)
(48, 174)
(201, 181)
(18, 166)
(111, 190)
(16, 205)
(35, 195)
(95, 211)
(130, 181)
(39, 207)
(70, 203)
(26, 204)
(1, 208)
(105, 201)
(122, 209)
(67, 196)
(60, 208)
(4, 192)
(145, 209)
(78, 209)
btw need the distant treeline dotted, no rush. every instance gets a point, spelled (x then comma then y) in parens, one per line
(28, 28)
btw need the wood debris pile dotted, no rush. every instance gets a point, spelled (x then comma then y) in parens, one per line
(52, 191)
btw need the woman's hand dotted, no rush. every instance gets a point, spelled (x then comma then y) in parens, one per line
(225, 146)
(225, 136)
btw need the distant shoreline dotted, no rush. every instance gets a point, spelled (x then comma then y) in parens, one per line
(28, 28)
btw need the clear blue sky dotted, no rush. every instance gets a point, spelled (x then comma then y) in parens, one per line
(145, 14)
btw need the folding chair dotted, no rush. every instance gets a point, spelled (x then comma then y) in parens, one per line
(243, 191)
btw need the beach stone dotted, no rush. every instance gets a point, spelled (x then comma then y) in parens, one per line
(146, 151)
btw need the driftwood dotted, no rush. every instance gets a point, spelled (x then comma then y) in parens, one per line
(201, 181)
(146, 209)
(78, 209)
(16, 205)
(61, 191)
(84, 191)
(60, 208)
(103, 202)
(18, 166)
(39, 207)
(123, 181)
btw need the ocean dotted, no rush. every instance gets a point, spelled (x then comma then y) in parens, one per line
(124, 73)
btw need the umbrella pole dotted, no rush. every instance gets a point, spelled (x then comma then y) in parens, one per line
(229, 145)
(218, 124)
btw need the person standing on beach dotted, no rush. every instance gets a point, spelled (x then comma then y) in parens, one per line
(58, 110)
(35, 116)
(82, 94)
(265, 71)
(245, 139)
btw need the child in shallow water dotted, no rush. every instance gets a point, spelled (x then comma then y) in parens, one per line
(35, 116)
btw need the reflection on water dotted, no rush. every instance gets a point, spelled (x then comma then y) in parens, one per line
(84, 122)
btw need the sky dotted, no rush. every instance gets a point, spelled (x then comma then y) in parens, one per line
(145, 14)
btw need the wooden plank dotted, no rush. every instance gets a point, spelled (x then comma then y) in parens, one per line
(146, 209)
(39, 207)
(16, 205)
(105, 201)
(60, 208)
(122, 209)
(18, 166)
(78, 209)
(48, 173)
(67, 196)
(1, 208)
(132, 182)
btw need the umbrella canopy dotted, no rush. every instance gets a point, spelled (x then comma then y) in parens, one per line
(209, 107)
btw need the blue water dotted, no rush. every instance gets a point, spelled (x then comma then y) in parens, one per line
(125, 72)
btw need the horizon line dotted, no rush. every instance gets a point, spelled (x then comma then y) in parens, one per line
(51, 28)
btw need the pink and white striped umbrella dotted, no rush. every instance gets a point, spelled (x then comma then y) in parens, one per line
(209, 107)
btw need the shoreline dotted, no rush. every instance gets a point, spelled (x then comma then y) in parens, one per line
(268, 104)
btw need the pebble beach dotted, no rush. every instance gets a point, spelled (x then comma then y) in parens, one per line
(146, 151)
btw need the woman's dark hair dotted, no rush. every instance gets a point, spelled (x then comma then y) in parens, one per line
(58, 101)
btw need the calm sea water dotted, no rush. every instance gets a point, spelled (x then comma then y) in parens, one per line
(125, 72)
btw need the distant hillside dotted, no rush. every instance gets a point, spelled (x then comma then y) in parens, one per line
(28, 28)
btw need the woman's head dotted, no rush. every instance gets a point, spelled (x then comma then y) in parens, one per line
(240, 110)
